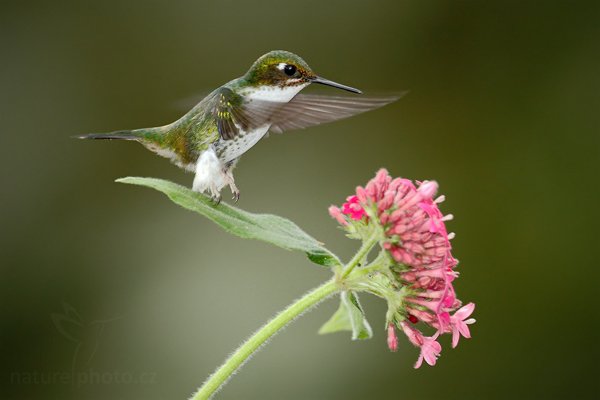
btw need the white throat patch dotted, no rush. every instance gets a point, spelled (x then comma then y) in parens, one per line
(273, 93)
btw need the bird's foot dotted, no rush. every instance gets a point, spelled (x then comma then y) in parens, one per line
(236, 195)
(234, 190)
(216, 199)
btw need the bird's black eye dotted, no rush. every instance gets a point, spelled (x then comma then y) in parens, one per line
(289, 69)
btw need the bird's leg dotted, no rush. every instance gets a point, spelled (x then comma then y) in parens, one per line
(234, 190)
(215, 195)
(210, 189)
(228, 177)
(236, 194)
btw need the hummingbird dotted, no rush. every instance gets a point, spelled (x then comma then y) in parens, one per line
(210, 138)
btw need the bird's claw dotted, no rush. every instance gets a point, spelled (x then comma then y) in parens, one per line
(236, 196)
(216, 199)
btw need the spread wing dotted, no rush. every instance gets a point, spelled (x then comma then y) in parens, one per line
(234, 112)
(306, 110)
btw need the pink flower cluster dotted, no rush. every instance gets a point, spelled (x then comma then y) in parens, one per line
(416, 238)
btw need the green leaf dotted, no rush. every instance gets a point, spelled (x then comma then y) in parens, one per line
(268, 228)
(339, 321)
(349, 317)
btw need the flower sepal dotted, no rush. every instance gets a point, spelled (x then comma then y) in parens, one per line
(348, 317)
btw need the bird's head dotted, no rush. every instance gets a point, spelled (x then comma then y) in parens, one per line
(285, 70)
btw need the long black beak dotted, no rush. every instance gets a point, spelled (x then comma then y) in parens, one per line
(327, 82)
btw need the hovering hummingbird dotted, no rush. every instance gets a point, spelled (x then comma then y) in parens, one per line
(212, 136)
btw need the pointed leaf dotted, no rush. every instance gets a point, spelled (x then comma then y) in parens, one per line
(339, 321)
(349, 317)
(268, 228)
(360, 326)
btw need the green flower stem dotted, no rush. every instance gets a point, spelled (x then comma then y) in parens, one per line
(360, 255)
(379, 264)
(216, 380)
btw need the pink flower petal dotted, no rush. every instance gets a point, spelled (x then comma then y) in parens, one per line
(459, 325)
(337, 214)
(428, 189)
(353, 208)
(464, 330)
(465, 311)
(413, 334)
(392, 339)
(430, 351)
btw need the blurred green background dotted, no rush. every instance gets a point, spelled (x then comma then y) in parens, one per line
(502, 111)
